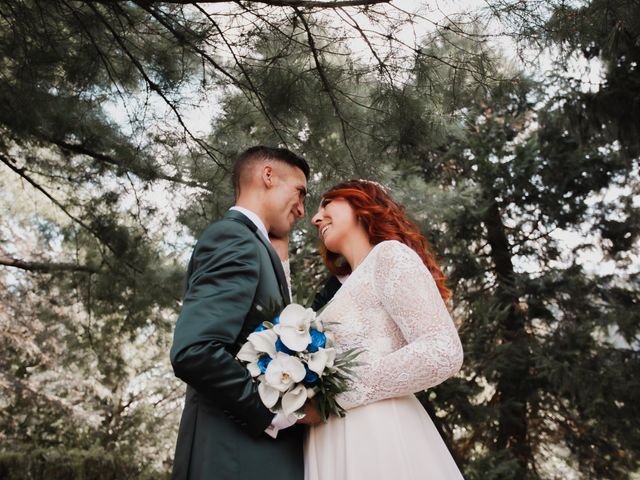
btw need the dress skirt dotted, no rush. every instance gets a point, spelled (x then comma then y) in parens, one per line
(392, 439)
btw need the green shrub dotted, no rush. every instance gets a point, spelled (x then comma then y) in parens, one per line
(56, 463)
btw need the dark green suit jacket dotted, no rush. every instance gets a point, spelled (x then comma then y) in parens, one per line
(233, 270)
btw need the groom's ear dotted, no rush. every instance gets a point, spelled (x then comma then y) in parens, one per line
(267, 175)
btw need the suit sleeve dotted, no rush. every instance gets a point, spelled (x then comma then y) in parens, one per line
(220, 290)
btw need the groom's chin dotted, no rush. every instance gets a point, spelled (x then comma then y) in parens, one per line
(280, 232)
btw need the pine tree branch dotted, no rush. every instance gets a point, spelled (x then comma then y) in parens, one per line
(82, 150)
(382, 65)
(22, 173)
(104, 58)
(265, 19)
(183, 40)
(156, 88)
(109, 68)
(247, 77)
(45, 267)
(327, 86)
(284, 3)
(244, 88)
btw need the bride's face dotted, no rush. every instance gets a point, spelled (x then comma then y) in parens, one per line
(335, 220)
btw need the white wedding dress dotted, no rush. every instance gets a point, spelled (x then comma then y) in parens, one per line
(389, 306)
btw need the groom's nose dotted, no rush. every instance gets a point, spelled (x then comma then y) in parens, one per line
(298, 209)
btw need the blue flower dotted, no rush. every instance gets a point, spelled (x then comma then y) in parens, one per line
(263, 362)
(311, 377)
(281, 347)
(260, 328)
(318, 340)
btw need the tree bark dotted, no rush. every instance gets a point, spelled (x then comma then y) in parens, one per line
(284, 3)
(45, 267)
(514, 383)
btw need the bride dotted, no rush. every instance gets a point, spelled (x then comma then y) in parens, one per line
(392, 305)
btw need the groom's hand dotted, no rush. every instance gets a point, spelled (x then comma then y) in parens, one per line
(311, 415)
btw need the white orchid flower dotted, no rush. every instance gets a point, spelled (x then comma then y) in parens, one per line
(295, 321)
(248, 353)
(294, 399)
(264, 342)
(268, 395)
(254, 369)
(284, 371)
(323, 358)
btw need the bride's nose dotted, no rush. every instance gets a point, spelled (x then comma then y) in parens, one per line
(317, 218)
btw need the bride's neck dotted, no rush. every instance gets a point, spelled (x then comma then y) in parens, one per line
(356, 249)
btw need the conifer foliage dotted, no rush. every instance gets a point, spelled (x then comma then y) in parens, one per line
(526, 186)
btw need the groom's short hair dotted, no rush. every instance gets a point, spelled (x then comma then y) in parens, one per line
(260, 153)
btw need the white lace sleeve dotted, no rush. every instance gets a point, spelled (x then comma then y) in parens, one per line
(432, 352)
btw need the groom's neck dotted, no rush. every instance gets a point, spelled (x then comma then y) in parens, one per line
(255, 205)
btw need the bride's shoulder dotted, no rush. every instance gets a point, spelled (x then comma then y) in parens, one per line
(394, 249)
(394, 260)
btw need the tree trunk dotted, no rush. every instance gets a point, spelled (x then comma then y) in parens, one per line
(513, 368)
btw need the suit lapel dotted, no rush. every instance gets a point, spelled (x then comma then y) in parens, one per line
(275, 260)
(277, 266)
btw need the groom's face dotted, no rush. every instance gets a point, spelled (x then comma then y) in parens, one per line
(286, 198)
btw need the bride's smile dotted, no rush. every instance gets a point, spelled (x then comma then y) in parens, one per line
(341, 231)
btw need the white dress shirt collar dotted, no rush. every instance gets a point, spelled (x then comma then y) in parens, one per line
(254, 218)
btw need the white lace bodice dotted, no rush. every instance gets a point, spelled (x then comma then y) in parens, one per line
(390, 307)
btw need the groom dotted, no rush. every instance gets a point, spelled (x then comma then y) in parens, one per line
(226, 433)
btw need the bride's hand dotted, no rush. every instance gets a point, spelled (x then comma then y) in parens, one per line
(311, 415)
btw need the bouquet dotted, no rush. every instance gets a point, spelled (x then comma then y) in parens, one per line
(293, 358)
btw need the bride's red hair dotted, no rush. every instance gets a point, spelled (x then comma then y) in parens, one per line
(383, 219)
